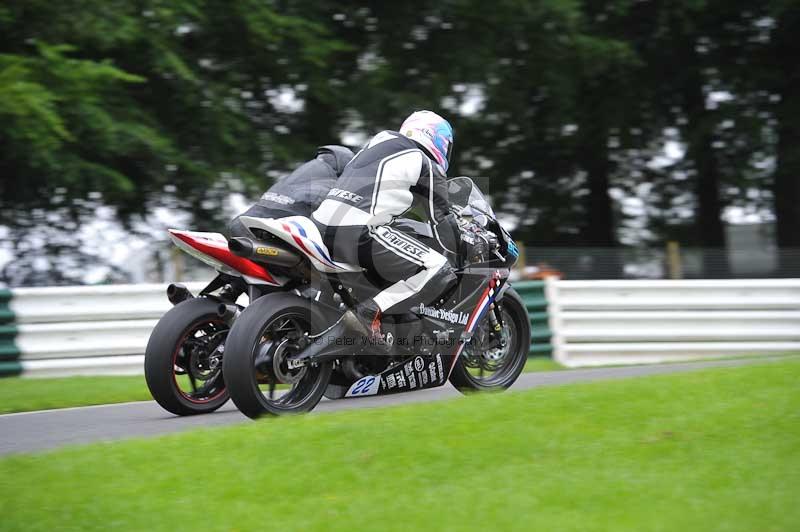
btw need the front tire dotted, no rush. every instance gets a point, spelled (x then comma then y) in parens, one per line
(471, 368)
(182, 352)
(260, 340)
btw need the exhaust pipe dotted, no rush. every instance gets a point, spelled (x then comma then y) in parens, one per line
(272, 253)
(243, 247)
(177, 293)
(228, 313)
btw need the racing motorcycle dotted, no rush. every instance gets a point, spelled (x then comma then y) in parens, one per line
(287, 350)
(183, 358)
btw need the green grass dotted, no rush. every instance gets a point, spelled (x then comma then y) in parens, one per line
(541, 363)
(710, 450)
(24, 395)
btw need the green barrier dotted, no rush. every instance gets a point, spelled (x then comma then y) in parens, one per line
(533, 294)
(9, 352)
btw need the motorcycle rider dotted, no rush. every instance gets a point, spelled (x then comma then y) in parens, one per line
(392, 173)
(300, 192)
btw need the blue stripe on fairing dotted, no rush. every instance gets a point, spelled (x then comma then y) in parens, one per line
(300, 227)
(484, 305)
(319, 249)
(329, 261)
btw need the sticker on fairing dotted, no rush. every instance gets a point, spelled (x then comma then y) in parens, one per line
(364, 386)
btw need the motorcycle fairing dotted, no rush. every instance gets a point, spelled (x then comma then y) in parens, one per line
(212, 249)
(430, 371)
(416, 372)
(303, 235)
(484, 303)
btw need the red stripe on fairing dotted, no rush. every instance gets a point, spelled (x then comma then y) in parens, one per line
(487, 294)
(223, 254)
(297, 239)
(302, 245)
(475, 312)
(455, 357)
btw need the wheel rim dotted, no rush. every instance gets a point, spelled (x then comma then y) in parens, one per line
(197, 361)
(488, 363)
(279, 387)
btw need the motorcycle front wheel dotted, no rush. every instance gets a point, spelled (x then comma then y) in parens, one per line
(255, 364)
(488, 364)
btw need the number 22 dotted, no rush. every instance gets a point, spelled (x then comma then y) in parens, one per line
(363, 385)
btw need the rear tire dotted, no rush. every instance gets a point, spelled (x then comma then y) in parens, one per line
(165, 344)
(261, 323)
(513, 309)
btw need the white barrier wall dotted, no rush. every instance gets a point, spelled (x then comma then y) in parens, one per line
(633, 322)
(87, 329)
(104, 330)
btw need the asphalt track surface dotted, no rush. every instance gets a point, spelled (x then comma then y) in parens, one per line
(48, 429)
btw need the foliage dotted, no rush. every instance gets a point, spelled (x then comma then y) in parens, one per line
(124, 98)
(565, 104)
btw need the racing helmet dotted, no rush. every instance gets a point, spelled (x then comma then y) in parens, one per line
(433, 133)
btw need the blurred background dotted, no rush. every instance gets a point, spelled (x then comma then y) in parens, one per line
(621, 139)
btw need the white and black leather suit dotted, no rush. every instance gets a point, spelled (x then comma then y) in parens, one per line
(300, 192)
(388, 177)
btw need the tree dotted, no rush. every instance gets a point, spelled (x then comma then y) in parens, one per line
(784, 80)
(701, 84)
(560, 103)
(146, 104)
(123, 98)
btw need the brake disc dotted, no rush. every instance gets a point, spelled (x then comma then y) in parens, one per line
(271, 363)
(495, 354)
(286, 376)
(199, 366)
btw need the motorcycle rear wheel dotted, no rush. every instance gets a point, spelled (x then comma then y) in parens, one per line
(469, 373)
(178, 356)
(259, 342)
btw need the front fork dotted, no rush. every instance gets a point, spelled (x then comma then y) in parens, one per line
(495, 316)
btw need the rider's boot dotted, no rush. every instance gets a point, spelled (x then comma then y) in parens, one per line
(365, 319)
